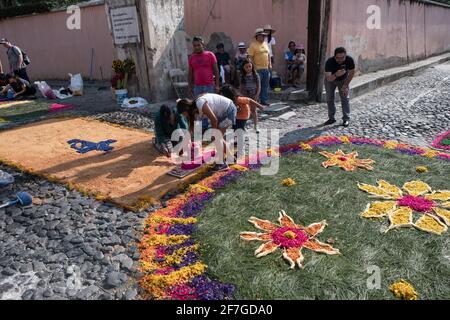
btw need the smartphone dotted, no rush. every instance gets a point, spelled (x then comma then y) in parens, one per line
(343, 67)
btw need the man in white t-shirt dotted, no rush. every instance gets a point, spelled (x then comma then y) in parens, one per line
(222, 108)
(271, 41)
(217, 110)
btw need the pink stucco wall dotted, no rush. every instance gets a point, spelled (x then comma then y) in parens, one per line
(437, 30)
(56, 51)
(410, 30)
(238, 20)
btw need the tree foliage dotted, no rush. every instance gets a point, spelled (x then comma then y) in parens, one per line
(13, 8)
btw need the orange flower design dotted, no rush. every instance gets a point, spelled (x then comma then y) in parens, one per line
(288, 236)
(348, 162)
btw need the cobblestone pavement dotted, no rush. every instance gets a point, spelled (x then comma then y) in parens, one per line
(68, 246)
(412, 110)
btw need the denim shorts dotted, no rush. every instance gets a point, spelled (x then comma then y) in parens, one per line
(228, 116)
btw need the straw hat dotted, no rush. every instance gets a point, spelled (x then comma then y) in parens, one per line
(268, 27)
(260, 31)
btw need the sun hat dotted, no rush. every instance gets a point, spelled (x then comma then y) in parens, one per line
(242, 45)
(260, 31)
(269, 27)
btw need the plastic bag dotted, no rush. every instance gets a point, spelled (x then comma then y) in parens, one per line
(45, 89)
(134, 103)
(5, 179)
(60, 95)
(76, 84)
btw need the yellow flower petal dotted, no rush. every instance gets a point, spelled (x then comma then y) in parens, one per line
(441, 195)
(384, 190)
(390, 145)
(422, 169)
(345, 140)
(417, 188)
(430, 224)
(403, 290)
(239, 168)
(430, 153)
(306, 147)
(379, 209)
(443, 214)
(401, 217)
(198, 189)
(289, 182)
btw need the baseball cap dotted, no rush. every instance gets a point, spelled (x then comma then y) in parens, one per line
(242, 45)
(3, 40)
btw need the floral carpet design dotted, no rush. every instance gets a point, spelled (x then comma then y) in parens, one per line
(288, 236)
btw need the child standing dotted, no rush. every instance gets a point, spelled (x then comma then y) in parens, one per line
(251, 87)
(244, 106)
(300, 59)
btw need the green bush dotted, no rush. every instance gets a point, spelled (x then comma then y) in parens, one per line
(25, 7)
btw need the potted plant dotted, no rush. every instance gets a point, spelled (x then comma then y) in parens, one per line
(119, 82)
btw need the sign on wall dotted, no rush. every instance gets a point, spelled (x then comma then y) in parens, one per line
(125, 25)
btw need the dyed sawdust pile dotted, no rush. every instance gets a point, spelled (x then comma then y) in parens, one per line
(130, 174)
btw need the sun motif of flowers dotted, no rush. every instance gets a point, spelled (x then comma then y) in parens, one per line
(288, 236)
(348, 162)
(420, 198)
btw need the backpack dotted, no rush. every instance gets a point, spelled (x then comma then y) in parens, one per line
(26, 59)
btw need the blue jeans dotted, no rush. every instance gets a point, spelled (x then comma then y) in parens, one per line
(198, 90)
(230, 114)
(264, 74)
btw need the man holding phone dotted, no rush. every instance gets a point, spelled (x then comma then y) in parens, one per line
(339, 72)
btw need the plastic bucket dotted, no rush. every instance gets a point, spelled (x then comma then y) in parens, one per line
(121, 95)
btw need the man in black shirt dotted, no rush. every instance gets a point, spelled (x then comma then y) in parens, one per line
(339, 72)
(223, 60)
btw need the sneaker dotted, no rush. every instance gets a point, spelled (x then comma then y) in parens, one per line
(220, 167)
(329, 122)
(346, 124)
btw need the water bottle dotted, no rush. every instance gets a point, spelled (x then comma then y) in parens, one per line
(10, 94)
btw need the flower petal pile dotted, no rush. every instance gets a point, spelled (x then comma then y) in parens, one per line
(348, 162)
(288, 236)
(419, 198)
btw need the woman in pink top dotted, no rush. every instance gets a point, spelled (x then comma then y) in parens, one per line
(204, 74)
